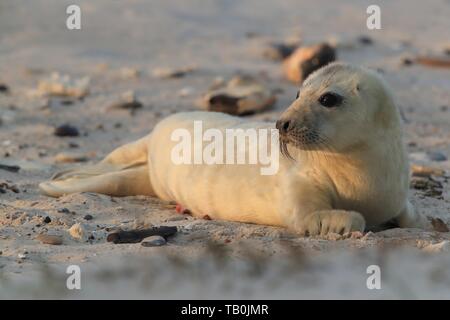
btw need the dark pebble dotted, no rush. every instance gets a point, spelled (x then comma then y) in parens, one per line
(9, 168)
(4, 88)
(47, 219)
(439, 225)
(88, 217)
(436, 156)
(67, 102)
(127, 105)
(407, 62)
(66, 130)
(365, 40)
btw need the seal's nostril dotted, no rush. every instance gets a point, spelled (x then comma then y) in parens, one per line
(283, 126)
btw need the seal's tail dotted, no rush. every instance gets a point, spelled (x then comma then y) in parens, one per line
(124, 172)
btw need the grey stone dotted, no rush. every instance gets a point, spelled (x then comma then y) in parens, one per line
(153, 241)
(436, 156)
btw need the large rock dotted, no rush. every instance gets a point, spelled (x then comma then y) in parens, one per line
(306, 60)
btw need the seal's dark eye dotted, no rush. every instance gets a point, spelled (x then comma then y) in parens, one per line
(298, 95)
(330, 100)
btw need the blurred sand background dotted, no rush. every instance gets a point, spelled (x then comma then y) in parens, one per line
(206, 259)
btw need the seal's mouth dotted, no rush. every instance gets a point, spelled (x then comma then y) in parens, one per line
(303, 138)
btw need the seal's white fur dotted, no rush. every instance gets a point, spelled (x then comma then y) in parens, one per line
(361, 177)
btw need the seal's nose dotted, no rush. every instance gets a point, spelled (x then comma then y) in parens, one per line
(283, 126)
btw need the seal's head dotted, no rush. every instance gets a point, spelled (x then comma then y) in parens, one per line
(338, 108)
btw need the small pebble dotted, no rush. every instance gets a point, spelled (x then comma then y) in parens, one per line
(186, 91)
(77, 231)
(4, 88)
(66, 130)
(436, 156)
(88, 217)
(168, 73)
(443, 246)
(407, 61)
(439, 225)
(62, 85)
(21, 256)
(423, 171)
(127, 101)
(47, 219)
(365, 40)
(50, 239)
(154, 241)
(129, 73)
(67, 102)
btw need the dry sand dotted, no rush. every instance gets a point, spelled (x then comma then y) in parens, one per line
(206, 259)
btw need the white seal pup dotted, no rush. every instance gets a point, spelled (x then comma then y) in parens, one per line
(342, 164)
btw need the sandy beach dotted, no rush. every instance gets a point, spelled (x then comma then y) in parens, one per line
(118, 49)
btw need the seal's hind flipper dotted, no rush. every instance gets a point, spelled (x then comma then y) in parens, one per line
(124, 172)
(114, 180)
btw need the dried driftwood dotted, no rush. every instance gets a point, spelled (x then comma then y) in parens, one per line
(135, 236)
